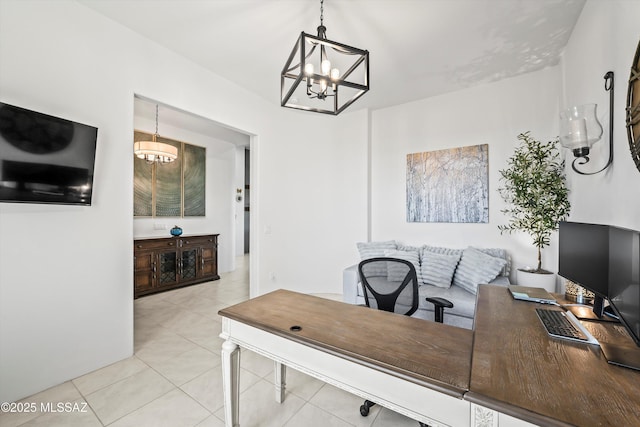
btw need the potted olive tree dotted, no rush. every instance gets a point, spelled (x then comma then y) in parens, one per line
(536, 193)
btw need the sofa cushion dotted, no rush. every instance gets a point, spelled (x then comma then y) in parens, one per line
(438, 268)
(464, 303)
(397, 273)
(369, 250)
(476, 267)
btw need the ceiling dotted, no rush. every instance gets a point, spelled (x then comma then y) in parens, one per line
(418, 48)
(169, 115)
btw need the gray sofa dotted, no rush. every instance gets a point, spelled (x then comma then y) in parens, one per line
(439, 275)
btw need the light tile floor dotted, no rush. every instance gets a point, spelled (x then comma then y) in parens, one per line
(175, 379)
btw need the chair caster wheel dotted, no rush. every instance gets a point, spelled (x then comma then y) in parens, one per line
(364, 410)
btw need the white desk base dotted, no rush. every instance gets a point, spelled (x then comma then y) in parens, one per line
(434, 408)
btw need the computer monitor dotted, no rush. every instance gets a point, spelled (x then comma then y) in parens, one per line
(624, 278)
(583, 258)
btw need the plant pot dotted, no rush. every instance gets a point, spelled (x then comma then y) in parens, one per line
(546, 279)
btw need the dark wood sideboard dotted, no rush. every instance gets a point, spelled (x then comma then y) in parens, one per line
(168, 263)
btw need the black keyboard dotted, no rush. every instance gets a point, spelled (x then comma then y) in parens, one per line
(558, 325)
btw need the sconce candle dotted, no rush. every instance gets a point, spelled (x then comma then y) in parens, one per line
(580, 129)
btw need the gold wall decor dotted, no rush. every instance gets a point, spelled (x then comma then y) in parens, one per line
(633, 109)
(175, 189)
(575, 292)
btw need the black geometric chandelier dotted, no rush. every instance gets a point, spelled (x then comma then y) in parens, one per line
(327, 82)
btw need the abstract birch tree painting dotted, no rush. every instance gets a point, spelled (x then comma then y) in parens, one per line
(449, 185)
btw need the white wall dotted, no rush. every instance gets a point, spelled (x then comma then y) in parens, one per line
(64, 309)
(492, 114)
(308, 233)
(220, 194)
(604, 39)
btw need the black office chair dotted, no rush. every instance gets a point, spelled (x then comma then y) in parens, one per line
(391, 284)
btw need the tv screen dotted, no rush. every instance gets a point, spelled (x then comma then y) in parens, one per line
(624, 278)
(45, 159)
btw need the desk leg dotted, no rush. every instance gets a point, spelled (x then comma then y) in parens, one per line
(231, 383)
(280, 381)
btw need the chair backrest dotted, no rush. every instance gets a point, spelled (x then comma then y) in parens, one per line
(389, 284)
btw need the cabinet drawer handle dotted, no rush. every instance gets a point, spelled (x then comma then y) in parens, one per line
(170, 243)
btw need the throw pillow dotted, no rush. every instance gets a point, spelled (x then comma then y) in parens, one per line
(498, 253)
(375, 249)
(440, 250)
(397, 273)
(410, 248)
(437, 269)
(369, 250)
(475, 268)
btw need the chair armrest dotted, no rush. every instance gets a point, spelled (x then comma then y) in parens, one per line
(439, 305)
(440, 302)
(350, 280)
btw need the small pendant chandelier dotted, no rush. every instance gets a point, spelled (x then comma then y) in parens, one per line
(323, 82)
(154, 151)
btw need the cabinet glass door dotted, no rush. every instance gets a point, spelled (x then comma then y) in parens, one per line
(168, 270)
(189, 264)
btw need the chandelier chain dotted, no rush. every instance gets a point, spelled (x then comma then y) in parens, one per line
(321, 12)
(156, 119)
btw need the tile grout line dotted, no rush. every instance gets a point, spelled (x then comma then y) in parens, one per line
(88, 404)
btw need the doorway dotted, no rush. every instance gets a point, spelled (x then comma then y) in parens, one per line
(227, 153)
(247, 199)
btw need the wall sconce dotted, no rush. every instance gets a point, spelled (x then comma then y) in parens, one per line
(580, 129)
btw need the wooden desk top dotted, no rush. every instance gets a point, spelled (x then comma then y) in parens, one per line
(518, 370)
(434, 355)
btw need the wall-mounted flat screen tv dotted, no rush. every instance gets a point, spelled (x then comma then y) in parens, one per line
(45, 159)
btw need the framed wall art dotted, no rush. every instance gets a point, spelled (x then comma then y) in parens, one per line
(175, 189)
(449, 185)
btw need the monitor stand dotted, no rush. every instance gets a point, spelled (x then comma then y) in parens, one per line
(596, 312)
(628, 357)
(585, 312)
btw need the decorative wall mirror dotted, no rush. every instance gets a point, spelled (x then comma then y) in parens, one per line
(633, 109)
